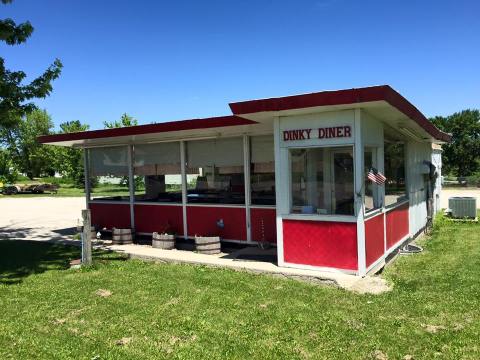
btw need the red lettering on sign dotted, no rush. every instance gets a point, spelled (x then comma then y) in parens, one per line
(323, 133)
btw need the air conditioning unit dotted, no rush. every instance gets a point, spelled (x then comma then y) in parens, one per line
(463, 207)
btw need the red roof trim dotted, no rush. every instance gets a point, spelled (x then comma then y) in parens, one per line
(193, 124)
(341, 97)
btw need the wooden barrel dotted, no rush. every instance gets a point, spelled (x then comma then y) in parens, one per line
(163, 241)
(121, 236)
(207, 244)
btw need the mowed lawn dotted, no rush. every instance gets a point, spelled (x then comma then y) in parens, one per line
(189, 312)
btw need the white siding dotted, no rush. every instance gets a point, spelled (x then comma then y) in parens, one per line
(437, 161)
(417, 153)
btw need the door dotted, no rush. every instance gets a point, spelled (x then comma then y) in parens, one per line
(342, 181)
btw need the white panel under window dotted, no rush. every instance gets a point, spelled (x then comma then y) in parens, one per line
(109, 161)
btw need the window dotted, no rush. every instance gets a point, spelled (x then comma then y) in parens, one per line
(108, 169)
(262, 170)
(395, 187)
(322, 181)
(372, 197)
(157, 172)
(215, 171)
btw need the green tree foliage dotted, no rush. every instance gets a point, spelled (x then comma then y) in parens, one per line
(125, 120)
(8, 172)
(14, 93)
(29, 156)
(462, 156)
(69, 161)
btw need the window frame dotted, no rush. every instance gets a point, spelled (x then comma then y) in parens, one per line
(244, 174)
(317, 216)
(406, 197)
(149, 202)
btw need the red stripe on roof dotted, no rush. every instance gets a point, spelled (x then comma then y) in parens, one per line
(341, 97)
(193, 124)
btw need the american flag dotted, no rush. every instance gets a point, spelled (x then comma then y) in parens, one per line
(376, 177)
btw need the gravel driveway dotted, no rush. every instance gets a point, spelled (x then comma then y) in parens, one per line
(39, 218)
(446, 193)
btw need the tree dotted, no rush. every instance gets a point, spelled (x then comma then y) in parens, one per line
(69, 161)
(461, 157)
(29, 156)
(14, 94)
(8, 172)
(125, 120)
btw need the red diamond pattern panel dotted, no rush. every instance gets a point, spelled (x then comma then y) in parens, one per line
(374, 242)
(320, 243)
(397, 225)
(263, 223)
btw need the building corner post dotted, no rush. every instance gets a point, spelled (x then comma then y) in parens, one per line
(359, 193)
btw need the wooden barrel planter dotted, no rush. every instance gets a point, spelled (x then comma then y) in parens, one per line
(207, 244)
(163, 241)
(121, 236)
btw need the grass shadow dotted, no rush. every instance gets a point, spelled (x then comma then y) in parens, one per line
(22, 258)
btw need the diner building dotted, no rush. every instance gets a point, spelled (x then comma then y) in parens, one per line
(336, 180)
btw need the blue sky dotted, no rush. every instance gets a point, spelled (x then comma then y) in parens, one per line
(169, 60)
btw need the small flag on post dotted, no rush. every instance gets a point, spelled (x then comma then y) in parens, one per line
(376, 177)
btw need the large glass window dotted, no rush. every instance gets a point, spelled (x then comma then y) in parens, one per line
(108, 168)
(215, 171)
(372, 198)
(157, 172)
(262, 170)
(322, 181)
(395, 186)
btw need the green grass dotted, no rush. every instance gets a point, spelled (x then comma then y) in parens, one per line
(69, 190)
(193, 312)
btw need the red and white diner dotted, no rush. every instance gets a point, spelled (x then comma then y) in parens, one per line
(337, 180)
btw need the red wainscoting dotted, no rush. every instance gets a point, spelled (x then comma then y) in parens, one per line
(202, 220)
(151, 218)
(374, 241)
(110, 215)
(320, 243)
(268, 217)
(397, 224)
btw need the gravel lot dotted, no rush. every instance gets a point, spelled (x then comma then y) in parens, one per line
(446, 193)
(44, 218)
(39, 218)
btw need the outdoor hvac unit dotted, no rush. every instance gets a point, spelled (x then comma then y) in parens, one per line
(462, 207)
